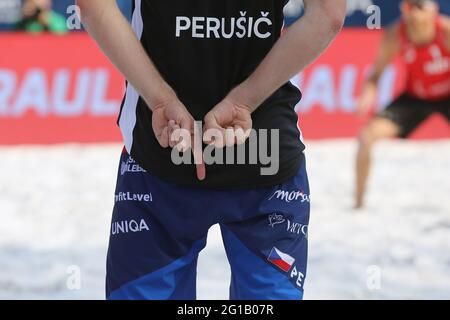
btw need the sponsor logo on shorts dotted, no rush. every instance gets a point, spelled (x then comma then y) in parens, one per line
(297, 228)
(139, 197)
(275, 219)
(289, 196)
(130, 166)
(129, 226)
(291, 226)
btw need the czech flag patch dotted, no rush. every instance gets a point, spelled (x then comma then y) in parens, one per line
(280, 259)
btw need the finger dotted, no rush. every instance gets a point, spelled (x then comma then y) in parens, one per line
(186, 133)
(240, 134)
(170, 125)
(184, 140)
(187, 123)
(215, 137)
(219, 138)
(197, 151)
(174, 134)
(176, 138)
(230, 138)
(164, 138)
(201, 171)
(212, 130)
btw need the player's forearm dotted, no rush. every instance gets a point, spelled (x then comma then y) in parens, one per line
(374, 78)
(378, 70)
(114, 35)
(303, 42)
(389, 48)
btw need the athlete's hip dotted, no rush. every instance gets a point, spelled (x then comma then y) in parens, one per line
(144, 188)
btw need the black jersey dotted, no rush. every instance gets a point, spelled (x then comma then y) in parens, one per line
(203, 49)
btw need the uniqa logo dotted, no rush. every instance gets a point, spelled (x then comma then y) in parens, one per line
(128, 226)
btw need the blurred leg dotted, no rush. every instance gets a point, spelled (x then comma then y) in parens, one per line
(377, 129)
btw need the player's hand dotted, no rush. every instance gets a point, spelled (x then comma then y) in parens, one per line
(167, 118)
(367, 99)
(227, 124)
(169, 121)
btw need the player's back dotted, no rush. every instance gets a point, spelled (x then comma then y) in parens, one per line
(203, 49)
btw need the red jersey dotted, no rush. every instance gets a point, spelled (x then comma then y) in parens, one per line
(427, 66)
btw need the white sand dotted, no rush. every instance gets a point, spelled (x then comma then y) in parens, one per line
(55, 207)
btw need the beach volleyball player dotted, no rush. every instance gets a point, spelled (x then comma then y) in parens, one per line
(222, 63)
(422, 39)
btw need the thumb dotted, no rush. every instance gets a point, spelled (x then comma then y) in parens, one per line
(213, 134)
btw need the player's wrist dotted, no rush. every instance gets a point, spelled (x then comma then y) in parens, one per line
(245, 96)
(161, 99)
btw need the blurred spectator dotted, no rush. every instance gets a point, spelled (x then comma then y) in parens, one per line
(38, 16)
(10, 11)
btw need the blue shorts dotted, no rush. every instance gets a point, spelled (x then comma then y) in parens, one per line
(159, 228)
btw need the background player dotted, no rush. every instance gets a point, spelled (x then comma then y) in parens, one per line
(422, 39)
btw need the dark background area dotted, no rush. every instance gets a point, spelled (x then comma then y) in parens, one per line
(357, 16)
